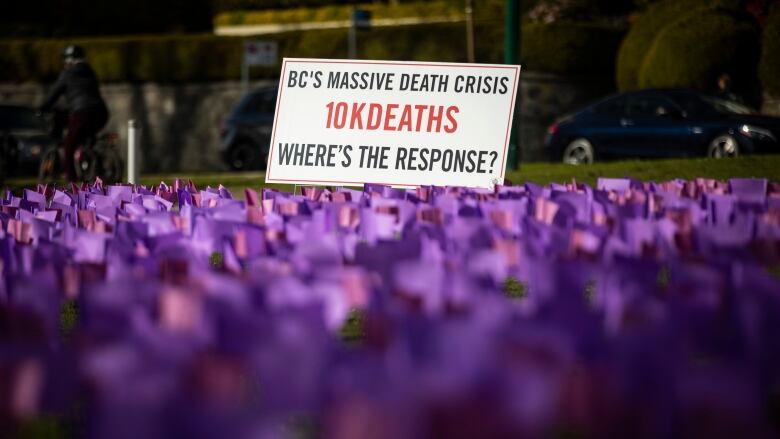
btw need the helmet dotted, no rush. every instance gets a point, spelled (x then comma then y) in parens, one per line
(73, 52)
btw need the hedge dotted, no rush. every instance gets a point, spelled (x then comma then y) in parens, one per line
(571, 48)
(564, 49)
(238, 5)
(339, 12)
(694, 51)
(769, 66)
(232, 5)
(194, 58)
(648, 26)
(135, 59)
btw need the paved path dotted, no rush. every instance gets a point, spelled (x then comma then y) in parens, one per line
(263, 29)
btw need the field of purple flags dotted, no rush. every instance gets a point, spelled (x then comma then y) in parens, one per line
(632, 309)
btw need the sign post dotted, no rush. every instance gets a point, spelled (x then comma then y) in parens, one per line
(361, 19)
(511, 45)
(345, 122)
(257, 53)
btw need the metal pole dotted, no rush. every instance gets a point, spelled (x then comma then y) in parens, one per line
(132, 148)
(470, 30)
(511, 51)
(352, 43)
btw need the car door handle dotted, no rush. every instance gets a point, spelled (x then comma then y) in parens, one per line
(626, 122)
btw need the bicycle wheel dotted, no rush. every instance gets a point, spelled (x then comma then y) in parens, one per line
(85, 161)
(50, 168)
(3, 170)
(110, 166)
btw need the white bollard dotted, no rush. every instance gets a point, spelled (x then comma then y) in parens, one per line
(132, 148)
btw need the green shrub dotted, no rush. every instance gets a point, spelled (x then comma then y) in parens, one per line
(339, 12)
(232, 5)
(440, 42)
(135, 59)
(769, 66)
(694, 51)
(208, 58)
(564, 49)
(570, 48)
(648, 26)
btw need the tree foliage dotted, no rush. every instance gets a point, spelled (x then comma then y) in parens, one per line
(769, 66)
(694, 51)
(649, 26)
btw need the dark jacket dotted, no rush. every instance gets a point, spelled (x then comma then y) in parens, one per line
(80, 86)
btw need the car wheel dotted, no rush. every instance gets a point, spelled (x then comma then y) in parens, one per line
(725, 146)
(578, 152)
(244, 156)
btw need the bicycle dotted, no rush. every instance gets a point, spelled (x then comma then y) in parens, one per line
(97, 157)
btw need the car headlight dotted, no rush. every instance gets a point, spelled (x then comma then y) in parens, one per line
(754, 131)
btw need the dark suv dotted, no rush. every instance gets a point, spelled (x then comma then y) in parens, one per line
(246, 133)
(24, 137)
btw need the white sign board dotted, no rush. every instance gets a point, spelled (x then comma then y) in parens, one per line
(260, 53)
(345, 122)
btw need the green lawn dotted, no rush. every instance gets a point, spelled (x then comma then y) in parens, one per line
(658, 170)
(542, 173)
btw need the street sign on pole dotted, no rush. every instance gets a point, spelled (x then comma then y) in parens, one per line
(361, 20)
(258, 53)
(261, 53)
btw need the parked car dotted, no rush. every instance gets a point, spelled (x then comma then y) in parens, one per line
(24, 136)
(661, 123)
(246, 133)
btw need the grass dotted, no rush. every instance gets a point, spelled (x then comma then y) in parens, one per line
(353, 330)
(514, 289)
(215, 259)
(540, 173)
(69, 316)
(658, 170)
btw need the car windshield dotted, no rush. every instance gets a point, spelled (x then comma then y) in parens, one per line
(16, 118)
(724, 106)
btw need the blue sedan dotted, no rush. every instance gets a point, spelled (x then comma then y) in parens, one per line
(661, 123)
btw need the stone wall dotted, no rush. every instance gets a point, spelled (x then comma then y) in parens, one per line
(544, 98)
(771, 105)
(180, 122)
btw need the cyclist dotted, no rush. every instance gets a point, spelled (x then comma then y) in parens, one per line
(88, 111)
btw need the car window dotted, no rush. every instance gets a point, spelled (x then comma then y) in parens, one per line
(264, 102)
(692, 104)
(650, 106)
(611, 106)
(724, 106)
